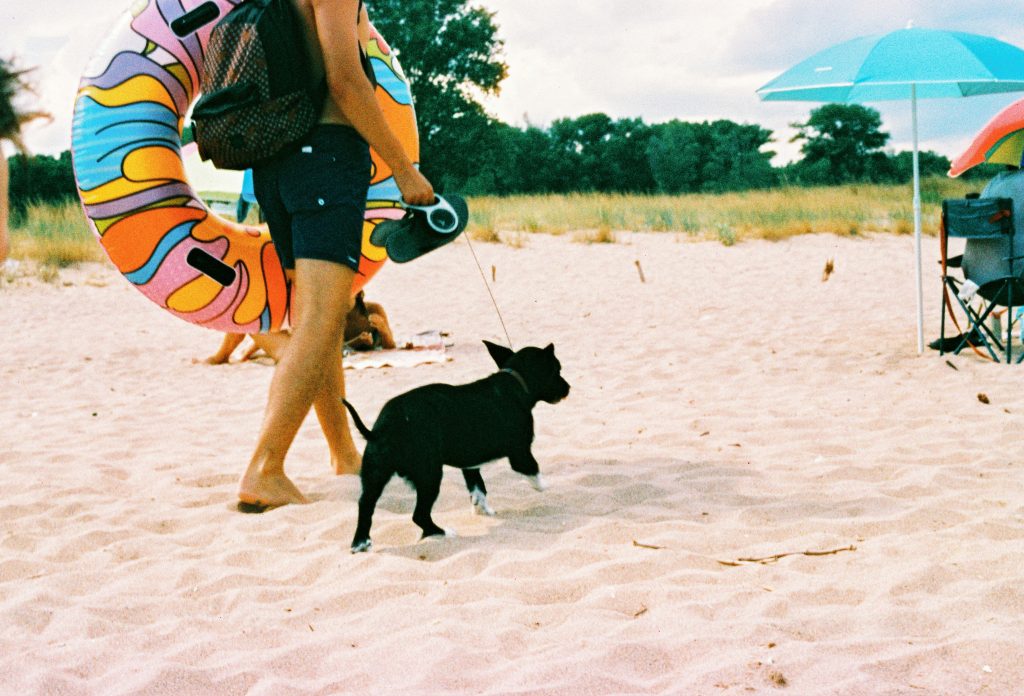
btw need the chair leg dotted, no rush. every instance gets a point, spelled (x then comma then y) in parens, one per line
(942, 319)
(977, 328)
(976, 325)
(1009, 322)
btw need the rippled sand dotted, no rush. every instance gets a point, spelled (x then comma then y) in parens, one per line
(731, 407)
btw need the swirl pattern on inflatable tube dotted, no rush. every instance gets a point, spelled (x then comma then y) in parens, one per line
(129, 115)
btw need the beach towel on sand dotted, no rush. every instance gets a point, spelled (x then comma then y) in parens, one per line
(419, 349)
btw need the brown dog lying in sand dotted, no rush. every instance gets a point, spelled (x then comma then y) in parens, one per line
(366, 328)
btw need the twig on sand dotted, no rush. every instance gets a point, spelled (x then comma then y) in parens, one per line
(765, 560)
(647, 546)
(494, 273)
(640, 271)
(829, 267)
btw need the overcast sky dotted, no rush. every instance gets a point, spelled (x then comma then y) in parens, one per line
(653, 59)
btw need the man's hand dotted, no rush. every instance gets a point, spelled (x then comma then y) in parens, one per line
(414, 187)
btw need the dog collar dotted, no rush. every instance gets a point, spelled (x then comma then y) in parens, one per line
(519, 378)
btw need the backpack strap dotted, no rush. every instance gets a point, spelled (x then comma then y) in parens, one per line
(363, 58)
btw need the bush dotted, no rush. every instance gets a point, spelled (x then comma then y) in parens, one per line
(41, 179)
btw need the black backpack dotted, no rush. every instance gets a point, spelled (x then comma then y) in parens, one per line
(257, 81)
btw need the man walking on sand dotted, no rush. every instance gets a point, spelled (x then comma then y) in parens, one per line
(320, 248)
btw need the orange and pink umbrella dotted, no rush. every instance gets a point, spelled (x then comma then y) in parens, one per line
(1001, 141)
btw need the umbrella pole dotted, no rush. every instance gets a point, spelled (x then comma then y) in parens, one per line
(917, 224)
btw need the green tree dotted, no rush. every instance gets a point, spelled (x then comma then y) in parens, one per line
(451, 54)
(716, 156)
(676, 155)
(537, 165)
(41, 179)
(982, 172)
(735, 160)
(625, 154)
(929, 164)
(840, 143)
(578, 141)
(603, 154)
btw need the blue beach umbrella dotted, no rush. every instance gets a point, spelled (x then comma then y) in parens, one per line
(909, 64)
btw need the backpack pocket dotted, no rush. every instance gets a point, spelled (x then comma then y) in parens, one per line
(226, 100)
(235, 134)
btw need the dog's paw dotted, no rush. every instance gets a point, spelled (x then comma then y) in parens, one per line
(537, 482)
(480, 504)
(441, 533)
(362, 546)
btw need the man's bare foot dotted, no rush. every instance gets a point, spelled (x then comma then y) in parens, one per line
(348, 461)
(259, 490)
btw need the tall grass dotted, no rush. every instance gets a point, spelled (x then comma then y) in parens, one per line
(729, 217)
(56, 235)
(59, 236)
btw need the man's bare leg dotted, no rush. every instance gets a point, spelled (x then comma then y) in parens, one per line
(273, 344)
(330, 412)
(333, 419)
(324, 292)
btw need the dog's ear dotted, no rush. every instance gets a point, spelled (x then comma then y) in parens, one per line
(358, 303)
(550, 349)
(500, 354)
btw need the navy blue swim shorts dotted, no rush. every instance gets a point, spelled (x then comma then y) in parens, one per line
(314, 197)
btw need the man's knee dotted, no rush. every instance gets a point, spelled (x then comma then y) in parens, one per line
(323, 289)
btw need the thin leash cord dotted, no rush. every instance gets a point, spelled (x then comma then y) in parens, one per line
(487, 285)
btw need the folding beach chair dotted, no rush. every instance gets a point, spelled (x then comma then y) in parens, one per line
(974, 218)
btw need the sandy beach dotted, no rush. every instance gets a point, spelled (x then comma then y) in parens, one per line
(731, 407)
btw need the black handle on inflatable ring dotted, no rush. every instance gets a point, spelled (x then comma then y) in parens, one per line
(195, 19)
(211, 267)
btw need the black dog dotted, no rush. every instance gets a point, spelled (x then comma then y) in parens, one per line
(466, 426)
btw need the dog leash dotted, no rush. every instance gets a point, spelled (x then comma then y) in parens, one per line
(487, 285)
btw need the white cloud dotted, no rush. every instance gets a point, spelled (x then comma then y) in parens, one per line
(780, 33)
(655, 59)
(57, 40)
(661, 60)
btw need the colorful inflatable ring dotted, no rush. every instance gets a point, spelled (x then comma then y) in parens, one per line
(126, 145)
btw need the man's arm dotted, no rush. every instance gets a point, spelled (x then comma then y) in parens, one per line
(353, 93)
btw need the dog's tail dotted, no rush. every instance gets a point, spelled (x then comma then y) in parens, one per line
(360, 426)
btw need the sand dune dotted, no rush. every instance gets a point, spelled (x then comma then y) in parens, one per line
(733, 406)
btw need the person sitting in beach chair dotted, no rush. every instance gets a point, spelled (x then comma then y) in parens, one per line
(992, 265)
(366, 328)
